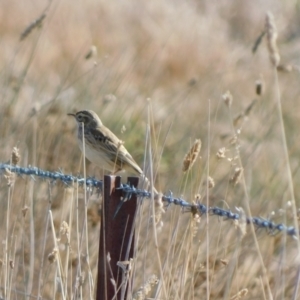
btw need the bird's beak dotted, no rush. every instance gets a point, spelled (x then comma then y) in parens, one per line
(70, 114)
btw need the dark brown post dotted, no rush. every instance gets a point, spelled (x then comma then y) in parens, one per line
(116, 238)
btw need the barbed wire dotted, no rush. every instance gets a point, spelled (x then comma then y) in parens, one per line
(53, 176)
(271, 227)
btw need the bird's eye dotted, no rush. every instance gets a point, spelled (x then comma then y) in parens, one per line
(80, 118)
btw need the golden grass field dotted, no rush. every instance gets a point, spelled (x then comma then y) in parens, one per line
(163, 65)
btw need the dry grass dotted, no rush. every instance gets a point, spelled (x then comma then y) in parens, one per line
(176, 61)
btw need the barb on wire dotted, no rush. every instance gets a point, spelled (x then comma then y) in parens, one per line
(271, 227)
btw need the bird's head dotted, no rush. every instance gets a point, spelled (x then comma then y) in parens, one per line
(88, 118)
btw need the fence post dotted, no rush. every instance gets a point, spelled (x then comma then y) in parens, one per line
(116, 238)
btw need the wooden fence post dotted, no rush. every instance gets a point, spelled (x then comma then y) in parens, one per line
(116, 239)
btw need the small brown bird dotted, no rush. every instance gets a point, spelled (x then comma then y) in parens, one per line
(102, 147)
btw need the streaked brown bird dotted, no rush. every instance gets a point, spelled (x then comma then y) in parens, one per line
(102, 147)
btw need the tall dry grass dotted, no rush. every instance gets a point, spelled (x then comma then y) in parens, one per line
(162, 65)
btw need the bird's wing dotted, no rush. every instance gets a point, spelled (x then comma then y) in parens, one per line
(113, 147)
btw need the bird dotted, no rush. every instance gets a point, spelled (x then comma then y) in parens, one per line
(102, 147)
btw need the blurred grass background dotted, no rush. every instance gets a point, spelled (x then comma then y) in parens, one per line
(175, 58)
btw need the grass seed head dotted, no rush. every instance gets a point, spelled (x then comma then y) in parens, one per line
(52, 256)
(196, 218)
(210, 182)
(159, 211)
(191, 156)
(91, 53)
(221, 153)
(64, 230)
(271, 34)
(236, 176)
(145, 289)
(35, 24)
(227, 98)
(285, 68)
(15, 156)
(259, 87)
(80, 280)
(240, 294)
(24, 210)
(10, 177)
(12, 264)
(224, 262)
